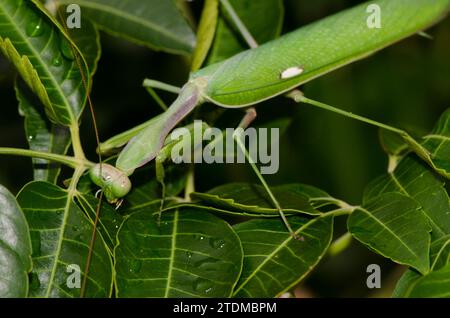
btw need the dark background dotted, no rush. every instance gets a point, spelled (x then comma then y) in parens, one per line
(406, 85)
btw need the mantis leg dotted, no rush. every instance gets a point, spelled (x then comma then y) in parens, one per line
(160, 175)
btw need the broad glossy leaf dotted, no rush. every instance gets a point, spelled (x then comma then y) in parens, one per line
(60, 236)
(15, 248)
(190, 254)
(154, 23)
(45, 58)
(205, 33)
(274, 261)
(434, 285)
(42, 135)
(438, 144)
(250, 198)
(414, 179)
(393, 225)
(321, 47)
(263, 19)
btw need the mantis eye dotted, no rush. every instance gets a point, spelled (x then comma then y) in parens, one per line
(291, 72)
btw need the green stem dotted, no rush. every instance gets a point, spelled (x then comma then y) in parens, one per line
(240, 25)
(190, 184)
(160, 85)
(422, 152)
(72, 162)
(76, 142)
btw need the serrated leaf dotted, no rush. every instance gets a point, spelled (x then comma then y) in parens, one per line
(438, 144)
(263, 19)
(60, 236)
(190, 254)
(413, 179)
(393, 225)
(250, 198)
(45, 59)
(434, 285)
(15, 248)
(274, 261)
(154, 23)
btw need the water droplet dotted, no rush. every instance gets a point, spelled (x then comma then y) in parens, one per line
(216, 243)
(35, 283)
(75, 228)
(116, 226)
(57, 61)
(30, 138)
(66, 49)
(189, 255)
(35, 27)
(135, 266)
(199, 237)
(203, 286)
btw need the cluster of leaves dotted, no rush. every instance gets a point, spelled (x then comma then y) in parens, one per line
(190, 251)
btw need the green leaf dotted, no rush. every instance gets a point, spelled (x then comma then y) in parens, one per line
(205, 33)
(274, 261)
(263, 19)
(42, 135)
(45, 59)
(412, 178)
(153, 23)
(60, 236)
(15, 248)
(405, 283)
(434, 285)
(394, 226)
(440, 252)
(190, 254)
(250, 198)
(438, 144)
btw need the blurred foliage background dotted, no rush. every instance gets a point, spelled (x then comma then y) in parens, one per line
(406, 85)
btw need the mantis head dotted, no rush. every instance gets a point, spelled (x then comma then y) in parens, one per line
(114, 183)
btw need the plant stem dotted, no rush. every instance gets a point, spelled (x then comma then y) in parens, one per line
(190, 183)
(72, 162)
(240, 25)
(160, 85)
(76, 142)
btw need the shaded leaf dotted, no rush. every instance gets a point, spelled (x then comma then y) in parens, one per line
(60, 236)
(263, 19)
(440, 252)
(15, 248)
(42, 135)
(405, 283)
(274, 261)
(45, 59)
(190, 254)
(154, 23)
(394, 226)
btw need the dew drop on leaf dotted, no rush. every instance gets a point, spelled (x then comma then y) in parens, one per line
(57, 61)
(216, 243)
(35, 27)
(203, 286)
(135, 266)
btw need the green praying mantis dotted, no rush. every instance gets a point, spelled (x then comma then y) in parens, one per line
(272, 69)
(260, 73)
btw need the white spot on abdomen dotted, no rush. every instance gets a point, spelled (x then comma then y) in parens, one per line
(291, 72)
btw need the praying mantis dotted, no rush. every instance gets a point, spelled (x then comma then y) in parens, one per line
(273, 69)
(260, 73)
